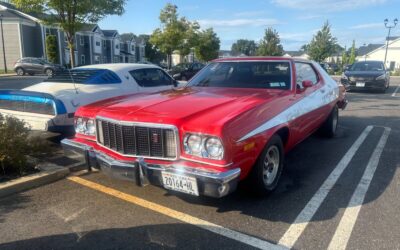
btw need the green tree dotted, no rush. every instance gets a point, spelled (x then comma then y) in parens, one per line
(153, 53)
(70, 15)
(175, 33)
(208, 46)
(51, 48)
(345, 59)
(270, 45)
(352, 57)
(323, 44)
(244, 46)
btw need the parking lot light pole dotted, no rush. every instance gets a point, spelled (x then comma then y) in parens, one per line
(389, 27)
(2, 42)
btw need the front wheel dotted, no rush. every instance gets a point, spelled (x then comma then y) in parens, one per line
(49, 72)
(20, 71)
(328, 129)
(266, 172)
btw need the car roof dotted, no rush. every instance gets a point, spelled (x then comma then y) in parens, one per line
(260, 58)
(119, 66)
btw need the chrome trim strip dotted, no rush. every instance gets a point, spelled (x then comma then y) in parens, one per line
(143, 124)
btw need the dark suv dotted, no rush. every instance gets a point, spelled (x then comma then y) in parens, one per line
(185, 71)
(31, 66)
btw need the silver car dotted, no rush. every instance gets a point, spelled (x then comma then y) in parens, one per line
(32, 66)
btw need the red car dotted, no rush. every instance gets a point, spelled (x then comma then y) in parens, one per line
(234, 120)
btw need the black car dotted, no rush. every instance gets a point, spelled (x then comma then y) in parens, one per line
(366, 75)
(31, 66)
(185, 71)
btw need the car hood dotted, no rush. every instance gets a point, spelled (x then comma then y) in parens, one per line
(364, 73)
(209, 105)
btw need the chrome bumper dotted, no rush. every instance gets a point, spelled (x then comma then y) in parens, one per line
(209, 183)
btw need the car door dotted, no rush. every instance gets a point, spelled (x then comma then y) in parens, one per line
(307, 100)
(152, 79)
(37, 66)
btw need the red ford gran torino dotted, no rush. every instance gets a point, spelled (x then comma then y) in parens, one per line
(234, 120)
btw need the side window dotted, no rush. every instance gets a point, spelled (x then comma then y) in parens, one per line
(305, 71)
(151, 77)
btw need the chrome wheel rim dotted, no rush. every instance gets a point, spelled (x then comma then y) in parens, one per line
(271, 165)
(49, 72)
(20, 72)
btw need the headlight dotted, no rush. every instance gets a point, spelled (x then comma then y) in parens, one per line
(194, 143)
(214, 148)
(381, 77)
(204, 146)
(85, 126)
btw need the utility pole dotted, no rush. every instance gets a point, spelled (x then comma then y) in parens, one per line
(2, 42)
(389, 27)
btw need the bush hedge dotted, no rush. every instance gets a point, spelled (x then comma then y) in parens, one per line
(16, 144)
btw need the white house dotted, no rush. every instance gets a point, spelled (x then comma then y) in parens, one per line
(393, 54)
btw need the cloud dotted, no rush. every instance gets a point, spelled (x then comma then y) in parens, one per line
(250, 13)
(327, 5)
(238, 22)
(367, 26)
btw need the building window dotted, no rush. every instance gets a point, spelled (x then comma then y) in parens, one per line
(83, 60)
(82, 40)
(117, 46)
(104, 43)
(96, 59)
(97, 43)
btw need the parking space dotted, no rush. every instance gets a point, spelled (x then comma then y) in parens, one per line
(334, 193)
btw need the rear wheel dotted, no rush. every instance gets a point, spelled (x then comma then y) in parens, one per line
(20, 71)
(266, 172)
(329, 127)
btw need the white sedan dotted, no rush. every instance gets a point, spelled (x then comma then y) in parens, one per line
(50, 105)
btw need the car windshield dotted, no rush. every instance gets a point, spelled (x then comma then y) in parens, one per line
(85, 76)
(367, 66)
(269, 75)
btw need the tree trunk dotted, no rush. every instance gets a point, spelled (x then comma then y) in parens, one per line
(71, 52)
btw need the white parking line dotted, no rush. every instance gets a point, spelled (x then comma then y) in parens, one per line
(346, 225)
(302, 220)
(395, 91)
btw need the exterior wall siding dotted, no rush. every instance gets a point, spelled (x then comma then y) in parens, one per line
(11, 44)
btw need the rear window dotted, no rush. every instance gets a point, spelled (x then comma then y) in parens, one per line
(367, 66)
(85, 76)
(269, 75)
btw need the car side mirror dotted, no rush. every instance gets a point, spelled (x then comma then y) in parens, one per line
(307, 83)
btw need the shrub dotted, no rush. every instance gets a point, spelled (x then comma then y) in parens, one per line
(16, 143)
(51, 48)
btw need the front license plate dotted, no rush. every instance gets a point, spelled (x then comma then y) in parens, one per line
(360, 84)
(180, 183)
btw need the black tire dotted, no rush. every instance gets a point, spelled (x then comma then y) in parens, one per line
(49, 72)
(328, 129)
(259, 181)
(20, 71)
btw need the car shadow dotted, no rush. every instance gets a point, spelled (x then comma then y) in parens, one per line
(161, 236)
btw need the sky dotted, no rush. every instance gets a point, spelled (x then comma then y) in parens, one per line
(295, 20)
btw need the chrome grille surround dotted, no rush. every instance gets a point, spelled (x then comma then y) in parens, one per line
(126, 142)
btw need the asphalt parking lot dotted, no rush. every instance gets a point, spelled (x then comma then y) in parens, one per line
(340, 193)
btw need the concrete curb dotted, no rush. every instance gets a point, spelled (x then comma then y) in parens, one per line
(50, 173)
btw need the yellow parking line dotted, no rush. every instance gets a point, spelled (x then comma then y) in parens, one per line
(244, 238)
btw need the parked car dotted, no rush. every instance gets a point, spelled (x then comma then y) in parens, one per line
(185, 71)
(366, 75)
(236, 119)
(32, 66)
(50, 105)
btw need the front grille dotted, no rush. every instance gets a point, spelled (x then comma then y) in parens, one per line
(361, 79)
(27, 106)
(137, 140)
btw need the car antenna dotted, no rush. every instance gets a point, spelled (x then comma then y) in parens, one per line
(73, 82)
